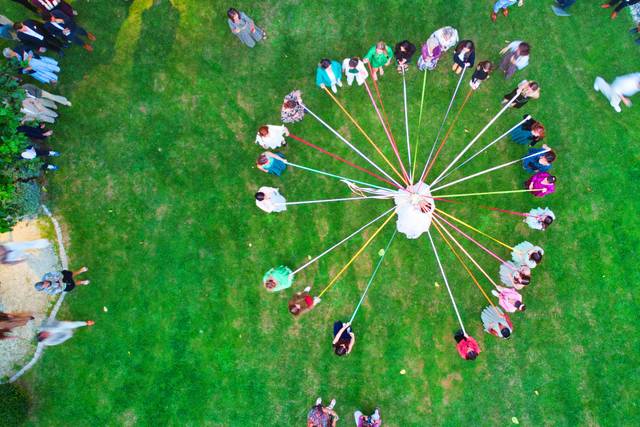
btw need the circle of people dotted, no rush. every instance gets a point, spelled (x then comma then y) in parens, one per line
(514, 274)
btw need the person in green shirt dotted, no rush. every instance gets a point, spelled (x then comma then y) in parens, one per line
(277, 279)
(379, 56)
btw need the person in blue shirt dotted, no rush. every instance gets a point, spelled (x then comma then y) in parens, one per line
(540, 163)
(329, 73)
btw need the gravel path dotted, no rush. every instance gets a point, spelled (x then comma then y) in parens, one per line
(18, 294)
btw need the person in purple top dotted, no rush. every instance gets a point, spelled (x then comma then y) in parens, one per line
(542, 183)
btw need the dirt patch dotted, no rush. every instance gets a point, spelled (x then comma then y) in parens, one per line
(448, 381)
(17, 293)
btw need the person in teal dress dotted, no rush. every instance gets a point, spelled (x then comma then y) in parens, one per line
(329, 73)
(271, 163)
(530, 132)
(540, 163)
(379, 56)
(277, 279)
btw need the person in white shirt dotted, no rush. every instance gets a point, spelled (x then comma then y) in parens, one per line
(539, 218)
(54, 332)
(516, 57)
(620, 90)
(31, 152)
(354, 69)
(270, 200)
(271, 136)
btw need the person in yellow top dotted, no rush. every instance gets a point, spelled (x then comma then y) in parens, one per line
(379, 56)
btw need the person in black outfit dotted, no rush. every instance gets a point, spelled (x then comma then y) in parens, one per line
(66, 30)
(34, 35)
(35, 133)
(622, 5)
(464, 55)
(481, 74)
(404, 52)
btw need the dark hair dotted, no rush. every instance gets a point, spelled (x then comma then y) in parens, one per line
(472, 355)
(325, 63)
(550, 156)
(262, 159)
(486, 65)
(353, 62)
(505, 332)
(536, 256)
(290, 103)
(465, 44)
(404, 44)
(524, 48)
(525, 280)
(547, 221)
(294, 309)
(232, 12)
(340, 349)
(551, 179)
(263, 130)
(17, 25)
(520, 306)
(534, 85)
(537, 126)
(259, 196)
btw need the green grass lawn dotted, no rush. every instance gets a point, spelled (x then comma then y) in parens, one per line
(156, 191)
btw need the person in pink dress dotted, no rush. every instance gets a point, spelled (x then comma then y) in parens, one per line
(509, 299)
(543, 183)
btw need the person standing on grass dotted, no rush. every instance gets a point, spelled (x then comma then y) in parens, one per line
(302, 302)
(515, 57)
(57, 282)
(542, 183)
(482, 73)
(439, 42)
(244, 28)
(270, 200)
(292, 110)
(37, 133)
(621, 4)
(33, 34)
(329, 73)
(33, 91)
(48, 6)
(504, 5)
(379, 56)
(404, 52)
(525, 91)
(277, 279)
(372, 420)
(561, 6)
(620, 90)
(54, 332)
(515, 276)
(540, 219)
(354, 69)
(464, 56)
(529, 132)
(510, 300)
(65, 29)
(467, 347)
(343, 338)
(271, 136)
(32, 152)
(526, 253)
(41, 68)
(322, 416)
(496, 322)
(271, 163)
(540, 163)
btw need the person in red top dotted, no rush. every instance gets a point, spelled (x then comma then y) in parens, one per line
(467, 347)
(302, 302)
